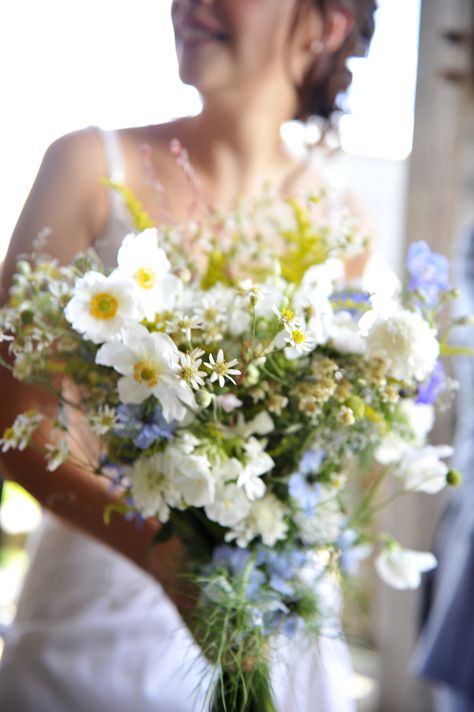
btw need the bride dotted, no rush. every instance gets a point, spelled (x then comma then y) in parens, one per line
(99, 625)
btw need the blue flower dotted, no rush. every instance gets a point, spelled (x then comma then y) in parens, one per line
(306, 494)
(311, 461)
(429, 391)
(351, 301)
(429, 272)
(144, 429)
(351, 554)
(232, 558)
(281, 585)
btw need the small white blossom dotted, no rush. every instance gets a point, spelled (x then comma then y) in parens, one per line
(191, 476)
(266, 519)
(422, 470)
(18, 435)
(4, 336)
(220, 369)
(402, 568)
(228, 402)
(184, 324)
(230, 505)
(298, 337)
(103, 420)
(189, 369)
(57, 454)
(258, 463)
(151, 490)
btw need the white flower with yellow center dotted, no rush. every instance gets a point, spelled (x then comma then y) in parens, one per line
(101, 306)
(56, 454)
(149, 365)
(147, 266)
(221, 369)
(298, 339)
(189, 369)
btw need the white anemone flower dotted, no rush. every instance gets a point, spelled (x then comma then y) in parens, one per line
(146, 265)
(101, 306)
(402, 568)
(407, 344)
(221, 369)
(149, 365)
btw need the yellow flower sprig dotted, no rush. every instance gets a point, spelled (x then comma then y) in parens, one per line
(139, 215)
(304, 247)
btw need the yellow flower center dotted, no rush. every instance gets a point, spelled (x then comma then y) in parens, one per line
(287, 314)
(221, 368)
(298, 336)
(144, 372)
(187, 373)
(145, 277)
(104, 306)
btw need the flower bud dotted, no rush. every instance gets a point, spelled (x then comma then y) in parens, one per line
(203, 398)
(454, 478)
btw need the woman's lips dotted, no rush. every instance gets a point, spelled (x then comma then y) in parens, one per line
(196, 32)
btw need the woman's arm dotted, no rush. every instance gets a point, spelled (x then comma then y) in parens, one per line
(68, 199)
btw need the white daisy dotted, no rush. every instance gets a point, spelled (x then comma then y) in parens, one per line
(57, 454)
(221, 369)
(189, 368)
(101, 306)
(298, 337)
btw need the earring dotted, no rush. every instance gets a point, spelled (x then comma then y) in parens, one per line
(316, 46)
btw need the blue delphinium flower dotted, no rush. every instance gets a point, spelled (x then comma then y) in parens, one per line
(429, 391)
(429, 272)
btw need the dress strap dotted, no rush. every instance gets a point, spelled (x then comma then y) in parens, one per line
(113, 155)
(115, 172)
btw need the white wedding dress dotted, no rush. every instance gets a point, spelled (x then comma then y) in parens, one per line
(93, 633)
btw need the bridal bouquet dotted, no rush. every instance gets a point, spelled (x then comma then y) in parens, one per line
(252, 399)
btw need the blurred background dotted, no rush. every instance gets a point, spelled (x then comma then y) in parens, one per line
(407, 152)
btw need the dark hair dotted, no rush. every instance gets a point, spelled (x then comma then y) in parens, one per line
(328, 77)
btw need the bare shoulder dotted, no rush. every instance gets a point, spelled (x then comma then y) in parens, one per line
(67, 198)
